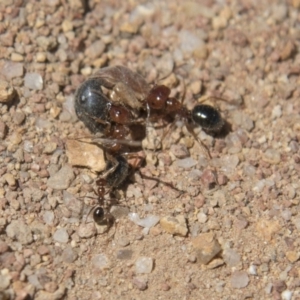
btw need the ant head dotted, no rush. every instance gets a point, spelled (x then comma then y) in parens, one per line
(91, 104)
(208, 117)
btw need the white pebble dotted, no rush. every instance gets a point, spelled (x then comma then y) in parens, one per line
(33, 81)
(144, 265)
(202, 217)
(61, 235)
(286, 295)
(147, 222)
(100, 261)
(186, 163)
(276, 112)
(252, 270)
(48, 217)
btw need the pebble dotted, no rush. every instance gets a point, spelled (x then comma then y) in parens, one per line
(174, 225)
(69, 255)
(85, 155)
(33, 81)
(48, 217)
(286, 295)
(231, 257)
(3, 130)
(140, 283)
(186, 163)
(271, 156)
(9, 179)
(62, 179)
(12, 70)
(4, 282)
(95, 50)
(292, 256)
(252, 270)
(46, 43)
(266, 229)
(123, 241)
(19, 231)
(61, 235)
(147, 222)
(201, 217)
(206, 247)
(124, 254)
(19, 117)
(144, 265)
(87, 230)
(57, 295)
(180, 151)
(100, 261)
(49, 147)
(7, 92)
(239, 279)
(276, 112)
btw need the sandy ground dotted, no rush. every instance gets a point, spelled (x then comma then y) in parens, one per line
(226, 227)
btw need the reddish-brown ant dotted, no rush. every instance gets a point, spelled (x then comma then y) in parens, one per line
(131, 97)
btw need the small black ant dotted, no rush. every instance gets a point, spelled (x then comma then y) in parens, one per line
(117, 171)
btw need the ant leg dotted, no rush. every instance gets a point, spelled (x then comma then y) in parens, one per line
(202, 145)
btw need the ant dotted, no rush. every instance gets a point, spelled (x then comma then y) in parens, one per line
(117, 171)
(131, 97)
(113, 120)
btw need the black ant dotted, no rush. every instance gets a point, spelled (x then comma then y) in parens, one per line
(117, 172)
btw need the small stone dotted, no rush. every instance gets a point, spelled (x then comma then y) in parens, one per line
(267, 228)
(174, 225)
(239, 279)
(69, 255)
(292, 256)
(252, 270)
(67, 25)
(215, 263)
(62, 179)
(12, 69)
(46, 43)
(144, 265)
(123, 241)
(119, 212)
(180, 151)
(124, 254)
(7, 92)
(95, 50)
(19, 117)
(49, 147)
(296, 3)
(140, 283)
(20, 231)
(3, 130)
(3, 247)
(61, 235)
(40, 57)
(33, 81)
(86, 230)
(287, 51)
(276, 112)
(147, 222)
(208, 178)
(17, 57)
(4, 282)
(100, 261)
(202, 217)
(186, 163)
(231, 257)
(286, 295)
(130, 27)
(9, 179)
(206, 247)
(85, 154)
(272, 156)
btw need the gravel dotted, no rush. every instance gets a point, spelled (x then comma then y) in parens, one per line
(186, 225)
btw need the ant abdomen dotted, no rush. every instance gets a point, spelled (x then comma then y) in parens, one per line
(91, 104)
(208, 117)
